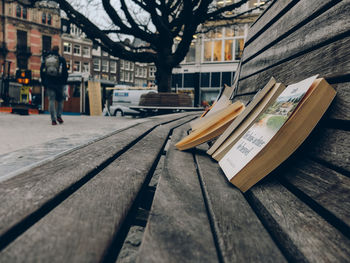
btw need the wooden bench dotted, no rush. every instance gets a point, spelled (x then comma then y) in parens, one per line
(81, 206)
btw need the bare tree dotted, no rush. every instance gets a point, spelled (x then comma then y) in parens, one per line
(156, 22)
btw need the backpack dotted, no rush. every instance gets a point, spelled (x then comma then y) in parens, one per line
(52, 65)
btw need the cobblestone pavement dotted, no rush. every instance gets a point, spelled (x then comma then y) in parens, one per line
(27, 141)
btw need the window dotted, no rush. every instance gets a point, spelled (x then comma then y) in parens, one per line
(226, 78)
(69, 65)
(122, 64)
(204, 80)
(49, 19)
(43, 18)
(86, 51)
(131, 76)
(188, 80)
(18, 11)
(113, 66)
(25, 13)
(127, 64)
(46, 43)
(225, 44)
(76, 49)
(152, 72)
(239, 45)
(86, 67)
(121, 75)
(67, 47)
(76, 66)
(191, 55)
(131, 66)
(96, 62)
(104, 66)
(127, 75)
(215, 79)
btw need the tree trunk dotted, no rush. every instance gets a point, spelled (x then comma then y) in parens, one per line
(163, 78)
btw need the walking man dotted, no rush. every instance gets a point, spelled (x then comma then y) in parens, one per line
(54, 75)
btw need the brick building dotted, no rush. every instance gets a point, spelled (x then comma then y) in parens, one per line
(26, 33)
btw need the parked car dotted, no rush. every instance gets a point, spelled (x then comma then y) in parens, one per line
(123, 99)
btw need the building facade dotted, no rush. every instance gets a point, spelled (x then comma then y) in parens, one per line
(27, 33)
(214, 56)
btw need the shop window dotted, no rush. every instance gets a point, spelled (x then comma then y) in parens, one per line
(215, 80)
(188, 80)
(226, 78)
(204, 80)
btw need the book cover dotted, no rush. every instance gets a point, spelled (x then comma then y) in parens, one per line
(264, 128)
(262, 97)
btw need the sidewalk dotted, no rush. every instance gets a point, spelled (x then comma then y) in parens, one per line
(27, 141)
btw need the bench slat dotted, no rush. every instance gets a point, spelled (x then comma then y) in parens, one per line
(335, 21)
(93, 214)
(330, 60)
(331, 23)
(178, 229)
(240, 234)
(24, 194)
(329, 189)
(269, 15)
(332, 146)
(303, 235)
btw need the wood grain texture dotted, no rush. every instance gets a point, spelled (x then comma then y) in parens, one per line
(240, 234)
(81, 228)
(330, 145)
(332, 59)
(269, 15)
(340, 108)
(329, 189)
(303, 234)
(24, 194)
(333, 22)
(178, 229)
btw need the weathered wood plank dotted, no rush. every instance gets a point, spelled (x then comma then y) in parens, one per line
(340, 108)
(91, 216)
(332, 59)
(268, 17)
(178, 229)
(24, 194)
(332, 22)
(330, 145)
(329, 189)
(303, 235)
(241, 236)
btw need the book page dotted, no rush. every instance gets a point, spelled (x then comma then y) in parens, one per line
(264, 128)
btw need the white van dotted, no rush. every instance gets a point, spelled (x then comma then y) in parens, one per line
(122, 99)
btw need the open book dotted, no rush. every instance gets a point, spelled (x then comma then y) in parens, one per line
(215, 125)
(277, 132)
(221, 102)
(259, 103)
